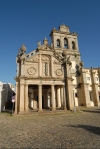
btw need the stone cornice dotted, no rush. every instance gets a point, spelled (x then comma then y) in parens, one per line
(44, 79)
(61, 32)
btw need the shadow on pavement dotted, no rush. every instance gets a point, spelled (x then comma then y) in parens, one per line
(92, 111)
(92, 129)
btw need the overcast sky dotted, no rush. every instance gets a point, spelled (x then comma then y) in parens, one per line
(29, 21)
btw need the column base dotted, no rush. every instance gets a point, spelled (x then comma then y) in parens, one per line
(40, 110)
(15, 112)
(64, 108)
(53, 109)
(97, 104)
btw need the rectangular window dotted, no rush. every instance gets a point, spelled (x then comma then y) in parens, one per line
(96, 79)
(45, 69)
(88, 78)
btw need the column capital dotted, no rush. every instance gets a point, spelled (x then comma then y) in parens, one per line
(39, 84)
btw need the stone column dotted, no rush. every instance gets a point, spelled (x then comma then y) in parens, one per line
(22, 95)
(26, 97)
(58, 97)
(94, 88)
(61, 95)
(52, 97)
(40, 97)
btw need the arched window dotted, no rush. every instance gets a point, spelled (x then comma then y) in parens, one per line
(73, 45)
(65, 43)
(58, 43)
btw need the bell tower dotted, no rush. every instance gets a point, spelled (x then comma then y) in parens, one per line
(65, 42)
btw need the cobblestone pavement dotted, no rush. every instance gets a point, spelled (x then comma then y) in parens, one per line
(64, 130)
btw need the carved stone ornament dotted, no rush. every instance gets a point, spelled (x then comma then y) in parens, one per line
(56, 62)
(31, 71)
(59, 72)
(45, 58)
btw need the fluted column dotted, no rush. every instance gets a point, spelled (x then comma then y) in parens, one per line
(52, 97)
(26, 97)
(40, 97)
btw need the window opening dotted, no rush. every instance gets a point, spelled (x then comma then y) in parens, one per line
(73, 45)
(58, 43)
(65, 43)
(46, 69)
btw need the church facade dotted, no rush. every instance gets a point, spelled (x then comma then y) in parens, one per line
(53, 76)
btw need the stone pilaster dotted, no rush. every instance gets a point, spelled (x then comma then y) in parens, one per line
(21, 95)
(69, 86)
(94, 88)
(40, 66)
(52, 67)
(52, 97)
(69, 43)
(85, 97)
(40, 97)
(26, 97)
(64, 98)
(76, 44)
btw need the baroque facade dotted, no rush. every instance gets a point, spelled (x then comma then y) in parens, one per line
(53, 76)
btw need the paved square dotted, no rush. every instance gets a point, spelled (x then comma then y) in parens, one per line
(64, 130)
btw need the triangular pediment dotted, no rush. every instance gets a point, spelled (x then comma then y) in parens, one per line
(45, 48)
(33, 59)
(45, 57)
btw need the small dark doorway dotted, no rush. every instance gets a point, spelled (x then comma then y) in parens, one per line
(42, 102)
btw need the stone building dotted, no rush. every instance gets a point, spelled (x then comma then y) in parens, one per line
(53, 76)
(6, 92)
